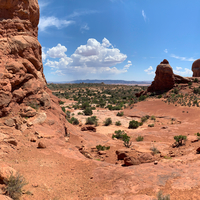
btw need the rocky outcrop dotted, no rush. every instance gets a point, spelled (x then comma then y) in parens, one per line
(165, 79)
(196, 68)
(23, 89)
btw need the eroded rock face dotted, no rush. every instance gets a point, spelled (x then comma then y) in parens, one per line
(24, 95)
(21, 70)
(196, 68)
(164, 79)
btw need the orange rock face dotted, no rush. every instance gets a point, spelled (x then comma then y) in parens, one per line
(196, 68)
(21, 70)
(22, 82)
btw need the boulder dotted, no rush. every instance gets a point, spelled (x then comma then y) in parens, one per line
(6, 171)
(88, 128)
(196, 68)
(128, 161)
(41, 145)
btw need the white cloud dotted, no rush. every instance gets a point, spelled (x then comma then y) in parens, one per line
(84, 28)
(57, 52)
(185, 72)
(46, 22)
(43, 4)
(144, 15)
(81, 13)
(44, 55)
(166, 51)
(149, 70)
(183, 58)
(92, 58)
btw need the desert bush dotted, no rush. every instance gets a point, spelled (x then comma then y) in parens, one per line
(190, 83)
(118, 123)
(151, 125)
(145, 118)
(120, 114)
(63, 109)
(154, 150)
(88, 111)
(92, 120)
(68, 114)
(85, 105)
(134, 124)
(80, 113)
(73, 121)
(179, 139)
(196, 80)
(142, 98)
(14, 186)
(102, 148)
(139, 138)
(159, 96)
(160, 196)
(153, 117)
(121, 135)
(61, 102)
(108, 121)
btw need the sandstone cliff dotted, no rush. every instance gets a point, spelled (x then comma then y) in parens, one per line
(22, 82)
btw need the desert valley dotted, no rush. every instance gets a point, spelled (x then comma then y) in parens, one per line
(91, 141)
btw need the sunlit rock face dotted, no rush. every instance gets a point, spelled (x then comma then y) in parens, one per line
(21, 70)
(196, 68)
(164, 79)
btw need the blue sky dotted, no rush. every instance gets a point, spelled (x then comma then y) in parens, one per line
(117, 39)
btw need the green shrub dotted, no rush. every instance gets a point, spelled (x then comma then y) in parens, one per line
(153, 117)
(121, 135)
(85, 105)
(88, 111)
(61, 102)
(139, 138)
(179, 139)
(80, 113)
(118, 134)
(118, 123)
(142, 98)
(107, 122)
(68, 114)
(162, 197)
(145, 118)
(102, 148)
(198, 134)
(154, 150)
(190, 83)
(196, 80)
(151, 125)
(134, 124)
(120, 114)
(14, 186)
(159, 96)
(63, 109)
(92, 120)
(73, 121)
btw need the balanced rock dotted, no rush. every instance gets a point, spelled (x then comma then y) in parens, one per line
(164, 79)
(196, 68)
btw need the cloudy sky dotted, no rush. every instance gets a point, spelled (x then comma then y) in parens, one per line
(117, 39)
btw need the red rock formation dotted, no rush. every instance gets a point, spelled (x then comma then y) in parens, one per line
(196, 68)
(165, 79)
(22, 82)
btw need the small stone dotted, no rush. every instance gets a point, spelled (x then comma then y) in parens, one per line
(10, 122)
(155, 162)
(41, 145)
(102, 153)
(33, 140)
(11, 141)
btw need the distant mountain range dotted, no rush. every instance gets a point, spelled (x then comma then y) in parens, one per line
(120, 82)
